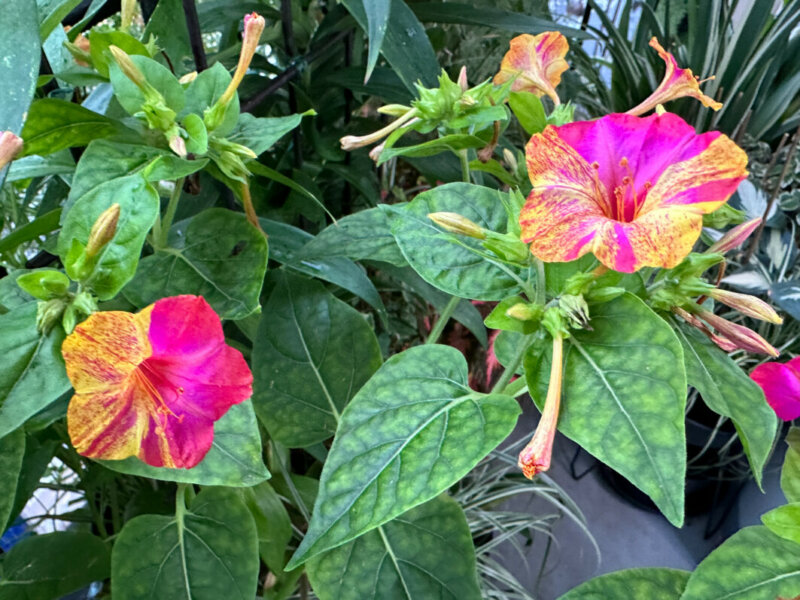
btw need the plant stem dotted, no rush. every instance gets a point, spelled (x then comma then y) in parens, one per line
(541, 283)
(505, 378)
(444, 317)
(162, 240)
(195, 35)
(462, 155)
(517, 387)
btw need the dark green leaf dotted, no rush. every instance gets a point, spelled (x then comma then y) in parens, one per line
(647, 584)
(207, 553)
(377, 21)
(59, 163)
(624, 395)
(786, 294)
(130, 96)
(447, 143)
(260, 134)
(752, 564)
(19, 43)
(12, 450)
(53, 125)
(30, 231)
(51, 13)
(206, 89)
(413, 430)
(728, 391)
(790, 475)
(426, 552)
(311, 355)
(272, 523)
(784, 521)
(33, 373)
(234, 459)
(48, 567)
(168, 25)
(219, 256)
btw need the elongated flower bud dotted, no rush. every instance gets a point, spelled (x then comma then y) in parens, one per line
(188, 78)
(743, 337)
(735, 237)
(253, 28)
(462, 79)
(455, 223)
(536, 456)
(130, 70)
(525, 312)
(103, 230)
(351, 142)
(747, 305)
(10, 146)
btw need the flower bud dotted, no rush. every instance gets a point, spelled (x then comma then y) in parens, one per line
(575, 309)
(510, 159)
(253, 27)
(455, 223)
(103, 230)
(525, 312)
(188, 78)
(743, 337)
(394, 110)
(48, 313)
(747, 305)
(351, 142)
(462, 79)
(10, 146)
(178, 145)
(735, 237)
(128, 68)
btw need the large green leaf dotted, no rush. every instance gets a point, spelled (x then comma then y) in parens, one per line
(406, 46)
(790, 475)
(160, 77)
(206, 89)
(377, 22)
(364, 235)
(168, 25)
(234, 459)
(206, 553)
(624, 396)
(33, 373)
(48, 567)
(752, 564)
(12, 449)
(116, 262)
(445, 260)
(273, 524)
(19, 43)
(728, 391)
(53, 125)
(650, 584)
(220, 256)
(311, 355)
(413, 430)
(260, 134)
(426, 552)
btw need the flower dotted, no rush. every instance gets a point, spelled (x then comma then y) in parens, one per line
(253, 28)
(631, 190)
(535, 63)
(152, 384)
(731, 335)
(677, 83)
(735, 237)
(10, 146)
(781, 385)
(747, 305)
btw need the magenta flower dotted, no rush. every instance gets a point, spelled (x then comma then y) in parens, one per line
(781, 385)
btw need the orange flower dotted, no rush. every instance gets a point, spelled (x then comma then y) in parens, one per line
(677, 83)
(535, 63)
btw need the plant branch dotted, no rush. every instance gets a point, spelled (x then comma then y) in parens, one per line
(511, 370)
(444, 317)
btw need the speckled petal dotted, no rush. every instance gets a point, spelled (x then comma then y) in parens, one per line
(177, 442)
(535, 63)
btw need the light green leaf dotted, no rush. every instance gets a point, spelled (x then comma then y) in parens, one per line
(219, 256)
(728, 391)
(790, 475)
(784, 521)
(207, 553)
(12, 449)
(48, 567)
(116, 262)
(260, 134)
(752, 564)
(647, 584)
(33, 373)
(206, 89)
(624, 396)
(53, 125)
(445, 260)
(447, 143)
(131, 97)
(59, 163)
(102, 40)
(20, 44)
(311, 355)
(234, 459)
(412, 431)
(529, 111)
(426, 552)
(51, 13)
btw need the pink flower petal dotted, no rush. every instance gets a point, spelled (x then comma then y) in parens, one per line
(781, 386)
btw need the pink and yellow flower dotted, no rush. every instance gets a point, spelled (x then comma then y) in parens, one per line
(677, 83)
(631, 190)
(535, 63)
(152, 384)
(781, 385)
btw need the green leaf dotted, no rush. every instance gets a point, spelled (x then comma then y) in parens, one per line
(131, 97)
(784, 521)
(497, 319)
(33, 373)
(426, 552)
(207, 553)
(311, 355)
(53, 125)
(406, 46)
(19, 43)
(116, 262)
(206, 89)
(790, 475)
(168, 25)
(220, 256)
(752, 564)
(12, 450)
(411, 432)
(377, 21)
(260, 134)
(30, 231)
(447, 143)
(48, 567)
(273, 524)
(28, 167)
(728, 391)
(52, 12)
(234, 459)
(449, 262)
(624, 396)
(101, 40)
(529, 111)
(650, 584)
(364, 235)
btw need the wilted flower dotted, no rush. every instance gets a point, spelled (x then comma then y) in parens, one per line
(747, 305)
(535, 63)
(781, 385)
(152, 384)
(630, 190)
(10, 145)
(677, 83)
(253, 27)
(735, 237)
(731, 336)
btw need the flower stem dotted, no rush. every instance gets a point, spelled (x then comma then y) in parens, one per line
(444, 317)
(505, 378)
(465, 175)
(162, 239)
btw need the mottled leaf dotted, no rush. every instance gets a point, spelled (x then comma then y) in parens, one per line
(647, 584)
